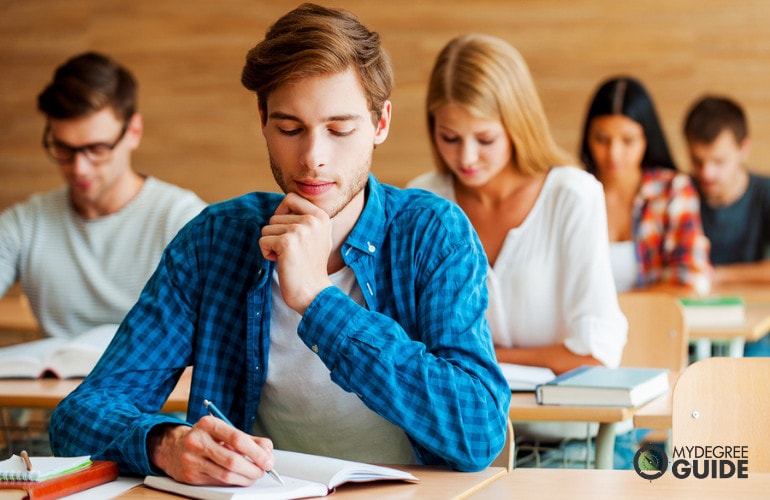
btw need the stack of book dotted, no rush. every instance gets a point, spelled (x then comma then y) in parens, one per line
(714, 312)
(49, 478)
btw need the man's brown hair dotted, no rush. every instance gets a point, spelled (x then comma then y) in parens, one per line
(312, 40)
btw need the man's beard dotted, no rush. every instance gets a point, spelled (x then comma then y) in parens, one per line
(357, 184)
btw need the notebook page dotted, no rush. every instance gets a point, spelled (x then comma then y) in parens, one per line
(43, 468)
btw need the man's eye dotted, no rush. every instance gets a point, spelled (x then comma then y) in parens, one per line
(448, 139)
(60, 149)
(98, 149)
(293, 131)
(342, 133)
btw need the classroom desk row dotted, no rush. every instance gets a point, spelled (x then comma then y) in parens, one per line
(16, 315)
(46, 393)
(553, 484)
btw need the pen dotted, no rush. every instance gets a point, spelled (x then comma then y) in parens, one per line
(213, 410)
(25, 457)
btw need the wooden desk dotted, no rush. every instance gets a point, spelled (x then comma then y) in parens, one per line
(17, 323)
(655, 415)
(750, 292)
(569, 484)
(757, 326)
(434, 483)
(48, 392)
(524, 407)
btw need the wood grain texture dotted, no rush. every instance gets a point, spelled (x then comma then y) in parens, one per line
(201, 128)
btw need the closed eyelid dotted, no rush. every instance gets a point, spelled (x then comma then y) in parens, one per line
(92, 145)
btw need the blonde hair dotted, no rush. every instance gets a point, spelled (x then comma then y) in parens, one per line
(489, 78)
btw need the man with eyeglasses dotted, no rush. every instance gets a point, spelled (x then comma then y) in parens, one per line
(84, 251)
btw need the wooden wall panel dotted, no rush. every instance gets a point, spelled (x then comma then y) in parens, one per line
(201, 128)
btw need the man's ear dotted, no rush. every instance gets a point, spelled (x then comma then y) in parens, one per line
(745, 147)
(135, 130)
(383, 124)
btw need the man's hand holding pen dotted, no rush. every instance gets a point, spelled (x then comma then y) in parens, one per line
(210, 452)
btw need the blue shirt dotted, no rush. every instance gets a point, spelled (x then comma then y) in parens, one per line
(419, 354)
(740, 232)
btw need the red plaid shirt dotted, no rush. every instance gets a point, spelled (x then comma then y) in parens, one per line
(670, 243)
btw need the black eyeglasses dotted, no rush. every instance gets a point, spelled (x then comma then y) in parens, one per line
(64, 153)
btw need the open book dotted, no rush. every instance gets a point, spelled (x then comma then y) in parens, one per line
(305, 476)
(62, 358)
(526, 378)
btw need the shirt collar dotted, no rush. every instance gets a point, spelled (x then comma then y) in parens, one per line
(368, 233)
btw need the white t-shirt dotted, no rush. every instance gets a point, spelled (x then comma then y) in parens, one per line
(299, 394)
(552, 281)
(625, 267)
(81, 273)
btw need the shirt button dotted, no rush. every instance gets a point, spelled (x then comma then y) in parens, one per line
(315, 348)
(371, 247)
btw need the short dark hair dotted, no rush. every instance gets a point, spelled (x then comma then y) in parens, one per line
(625, 95)
(711, 115)
(314, 40)
(88, 83)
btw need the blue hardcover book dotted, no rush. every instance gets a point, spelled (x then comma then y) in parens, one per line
(602, 386)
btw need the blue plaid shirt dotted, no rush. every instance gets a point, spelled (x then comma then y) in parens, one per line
(419, 354)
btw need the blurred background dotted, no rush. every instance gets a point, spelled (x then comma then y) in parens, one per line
(201, 125)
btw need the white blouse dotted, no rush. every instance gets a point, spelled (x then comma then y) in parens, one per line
(552, 281)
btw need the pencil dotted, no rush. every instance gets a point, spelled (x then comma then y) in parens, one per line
(213, 410)
(27, 462)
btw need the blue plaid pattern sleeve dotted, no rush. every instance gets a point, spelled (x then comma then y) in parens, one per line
(419, 354)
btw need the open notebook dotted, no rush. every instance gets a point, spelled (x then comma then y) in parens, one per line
(305, 476)
(14, 468)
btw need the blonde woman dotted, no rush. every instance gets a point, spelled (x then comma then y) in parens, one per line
(543, 225)
(542, 222)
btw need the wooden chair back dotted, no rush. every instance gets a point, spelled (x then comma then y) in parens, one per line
(657, 333)
(724, 402)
